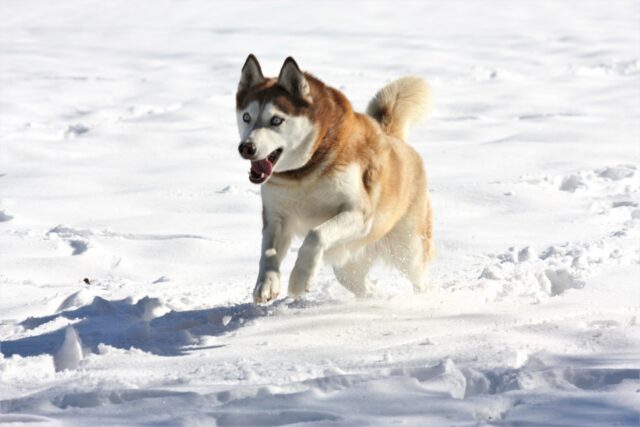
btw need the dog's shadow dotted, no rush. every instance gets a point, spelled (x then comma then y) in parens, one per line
(125, 324)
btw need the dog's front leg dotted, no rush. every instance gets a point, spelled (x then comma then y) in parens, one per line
(347, 225)
(276, 239)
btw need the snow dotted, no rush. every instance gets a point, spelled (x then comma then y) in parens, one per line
(70, 353)
(130, 234)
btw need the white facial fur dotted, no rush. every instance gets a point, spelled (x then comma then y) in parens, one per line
(295, 135)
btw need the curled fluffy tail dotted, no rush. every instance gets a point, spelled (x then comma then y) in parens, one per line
(400, 104)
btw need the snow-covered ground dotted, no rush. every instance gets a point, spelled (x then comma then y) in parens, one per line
(118, 164)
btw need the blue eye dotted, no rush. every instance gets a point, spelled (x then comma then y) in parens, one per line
(246, 117)
(276, 121)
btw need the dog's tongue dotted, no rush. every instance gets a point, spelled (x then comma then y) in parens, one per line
(262, 167)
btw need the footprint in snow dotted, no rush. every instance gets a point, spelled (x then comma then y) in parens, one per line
(5, 216)
(232, 189)
(78, 240)
(76, 130)
(606, 181)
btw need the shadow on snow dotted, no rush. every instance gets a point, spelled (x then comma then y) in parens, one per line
(124, 324)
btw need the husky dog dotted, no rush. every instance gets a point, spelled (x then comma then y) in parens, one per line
(345, 181)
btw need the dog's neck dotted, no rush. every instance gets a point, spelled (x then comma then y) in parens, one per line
(334, 107)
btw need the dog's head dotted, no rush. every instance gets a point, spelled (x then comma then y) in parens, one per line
(277, 133)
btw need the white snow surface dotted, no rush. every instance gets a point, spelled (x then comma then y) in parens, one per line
(119, 164)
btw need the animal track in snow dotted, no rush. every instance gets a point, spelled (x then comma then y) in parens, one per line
(233, 190)
(5, 216)
(74, 131)
(616, 68)
(80, 239)
(558, 268)
(546, 115)
(607, 181)
(148, 111)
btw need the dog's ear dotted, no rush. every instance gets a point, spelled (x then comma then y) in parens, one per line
(251, 73)
(293, 81)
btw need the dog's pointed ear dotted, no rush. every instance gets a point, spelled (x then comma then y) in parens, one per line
(251, 73)
(293, 80)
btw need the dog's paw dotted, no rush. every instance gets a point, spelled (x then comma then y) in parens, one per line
(267, 287)
(365, 291)
(424, 287)
(299, 282)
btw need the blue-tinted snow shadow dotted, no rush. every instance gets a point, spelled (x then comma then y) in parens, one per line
(125, 324)
(567, 411)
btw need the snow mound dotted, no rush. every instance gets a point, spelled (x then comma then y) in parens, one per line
(70, 353)
(76, 300)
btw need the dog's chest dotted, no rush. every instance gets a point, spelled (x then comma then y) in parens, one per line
(307, 206)
(303, 204)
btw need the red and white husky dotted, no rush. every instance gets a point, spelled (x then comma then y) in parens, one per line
(347, 182)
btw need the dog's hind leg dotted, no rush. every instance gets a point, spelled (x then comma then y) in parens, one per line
(353, 276)
(411, 246)
(407, 256)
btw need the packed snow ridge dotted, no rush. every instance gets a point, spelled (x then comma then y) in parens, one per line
(130, 235)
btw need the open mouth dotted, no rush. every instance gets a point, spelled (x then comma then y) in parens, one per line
(261, 170)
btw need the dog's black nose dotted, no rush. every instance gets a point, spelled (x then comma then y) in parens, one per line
(247, 149)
